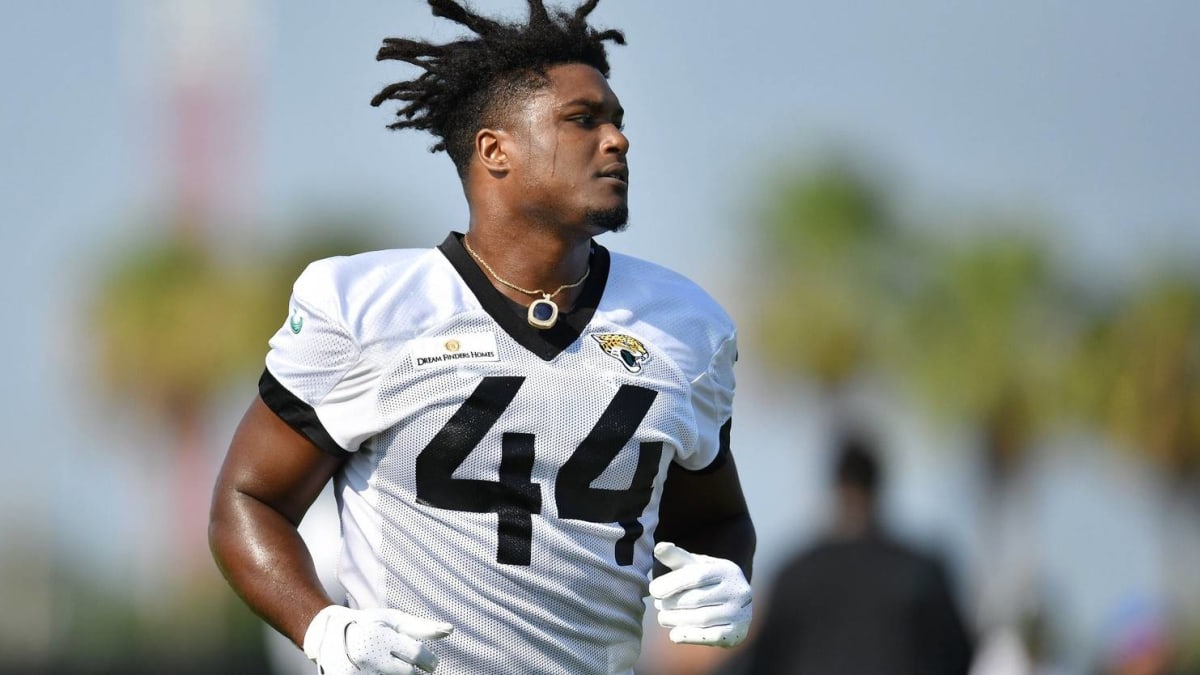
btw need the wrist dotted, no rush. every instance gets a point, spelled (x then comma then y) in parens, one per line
(315, 632)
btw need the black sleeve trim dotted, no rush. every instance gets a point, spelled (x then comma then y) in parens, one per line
(723, 453)
(297, 414)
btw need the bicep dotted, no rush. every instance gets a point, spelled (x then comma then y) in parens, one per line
(270, 477)
(272, 463)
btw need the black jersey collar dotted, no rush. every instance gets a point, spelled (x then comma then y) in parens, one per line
(548, 343)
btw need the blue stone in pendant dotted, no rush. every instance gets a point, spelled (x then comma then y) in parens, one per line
(543, 313)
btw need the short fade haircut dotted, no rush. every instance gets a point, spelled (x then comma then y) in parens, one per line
(470, 83)
(857, 463)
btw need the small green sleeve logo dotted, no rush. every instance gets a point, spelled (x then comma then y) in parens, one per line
(296, 321)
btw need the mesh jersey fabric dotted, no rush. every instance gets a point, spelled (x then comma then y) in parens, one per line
(503, 479)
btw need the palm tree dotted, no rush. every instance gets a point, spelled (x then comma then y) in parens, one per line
(1137, 375)
(977, 332)
(825, 233)
(175, 323)
(984, 341)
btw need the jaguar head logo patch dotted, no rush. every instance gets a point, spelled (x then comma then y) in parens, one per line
(296, 321)
(628, 350)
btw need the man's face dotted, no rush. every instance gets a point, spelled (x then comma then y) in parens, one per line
(569, 157)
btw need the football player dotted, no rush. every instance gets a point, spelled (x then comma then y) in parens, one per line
(513, 418)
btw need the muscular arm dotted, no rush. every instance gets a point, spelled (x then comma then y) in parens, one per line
(270, 477)
(705, 512)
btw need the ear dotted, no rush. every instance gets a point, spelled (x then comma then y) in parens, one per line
(491, 148)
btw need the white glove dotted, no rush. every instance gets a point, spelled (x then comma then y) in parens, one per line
(703, 600)
(344, 641)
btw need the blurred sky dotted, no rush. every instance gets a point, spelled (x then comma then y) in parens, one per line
(1083, 113)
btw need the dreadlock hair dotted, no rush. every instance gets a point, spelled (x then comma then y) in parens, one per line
(470, 83)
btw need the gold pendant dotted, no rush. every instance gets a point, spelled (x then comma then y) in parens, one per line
(543, 313)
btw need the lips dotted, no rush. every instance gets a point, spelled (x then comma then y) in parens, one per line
(618, 171)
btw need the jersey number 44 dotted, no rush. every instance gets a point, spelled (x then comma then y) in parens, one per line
(514, 497)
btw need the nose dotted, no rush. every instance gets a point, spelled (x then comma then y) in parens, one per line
(616, 141)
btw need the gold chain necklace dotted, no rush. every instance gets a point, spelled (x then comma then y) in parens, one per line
(543, 312)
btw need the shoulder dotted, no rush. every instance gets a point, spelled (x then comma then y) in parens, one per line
(346, 287)
(902, 549)
(816, 553)
(664, 302)
(806, 565)
(922, 566)
(342, 276)
(659, 285)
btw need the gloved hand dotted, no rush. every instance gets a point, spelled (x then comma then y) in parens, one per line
(703, 600)
(344, 641)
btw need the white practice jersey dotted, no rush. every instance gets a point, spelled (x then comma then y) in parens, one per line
(499, 477)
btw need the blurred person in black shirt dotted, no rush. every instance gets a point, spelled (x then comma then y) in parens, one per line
(859, 602)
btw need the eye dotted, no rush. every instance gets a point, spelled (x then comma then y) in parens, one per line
(590, 120)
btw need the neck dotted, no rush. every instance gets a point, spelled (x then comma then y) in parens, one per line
(855, 516)
(534, 258)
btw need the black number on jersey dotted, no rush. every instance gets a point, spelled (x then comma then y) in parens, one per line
(514, 498)
(573, 492)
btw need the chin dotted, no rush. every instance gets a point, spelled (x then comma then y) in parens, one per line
(613, 219)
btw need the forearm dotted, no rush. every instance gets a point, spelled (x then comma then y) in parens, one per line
(702, 593)
(261, 554)
(732, 538)
(705, 512)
